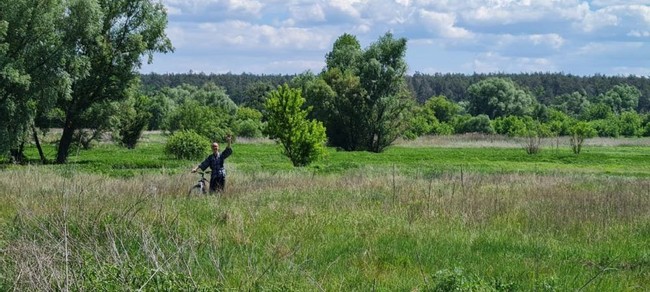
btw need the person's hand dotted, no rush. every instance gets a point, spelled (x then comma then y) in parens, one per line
(193, 170)
(229, 138)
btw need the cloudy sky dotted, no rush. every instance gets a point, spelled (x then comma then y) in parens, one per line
(609, 37)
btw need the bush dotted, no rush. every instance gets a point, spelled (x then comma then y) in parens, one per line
(214, 123)
(631, 124)
(511, 126)
(303, 140)
(579, 132)
(187, 145)
(248, 128)
(469, 124)
(606, 128)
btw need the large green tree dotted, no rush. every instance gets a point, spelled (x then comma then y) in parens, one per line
(361, 95)
(105, 45)
(30, 66)
(499, 97)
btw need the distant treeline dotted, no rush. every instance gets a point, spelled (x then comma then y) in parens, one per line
(544, 86)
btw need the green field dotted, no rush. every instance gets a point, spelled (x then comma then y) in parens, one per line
(415, 217)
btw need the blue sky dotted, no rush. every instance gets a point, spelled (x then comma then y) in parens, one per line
(610, 37)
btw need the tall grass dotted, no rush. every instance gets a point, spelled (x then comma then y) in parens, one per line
(363, 229)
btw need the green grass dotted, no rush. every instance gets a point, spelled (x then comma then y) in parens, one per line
(410, 218)
(628, 161)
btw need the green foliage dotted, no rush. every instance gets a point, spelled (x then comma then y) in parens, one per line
(579, 132)
(212, 123)
(496, 97)
(248, 122)
(456, 280)
(30, 66)
(621, 98)
(105, 42)
(512, 126)
(303, 140)
(109, 277)
(160, 106)
(187, 145)
(606, 128)
(473, 124)
(131, 119)
(362, 98)
(559, 123)
(597, 111)
(573, 104)
(442, 108)
(646, 125)
(631, 124)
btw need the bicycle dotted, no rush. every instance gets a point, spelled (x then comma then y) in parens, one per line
(201, 187)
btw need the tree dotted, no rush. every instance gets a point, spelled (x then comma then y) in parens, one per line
(442, 108)
(573, 104)
(362, 98)
(303, 140)
(498, 97)
(621, 98)
(248, 122)
(631, 124)
(30, 62)
(131, 119)
(213, 123)
(105, 43)
(579, 132)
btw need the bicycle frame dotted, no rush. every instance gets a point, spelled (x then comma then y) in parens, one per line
(202, 184)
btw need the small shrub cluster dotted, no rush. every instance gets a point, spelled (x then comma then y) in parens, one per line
(187, 145)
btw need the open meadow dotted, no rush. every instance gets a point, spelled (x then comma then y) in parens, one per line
(460, 213)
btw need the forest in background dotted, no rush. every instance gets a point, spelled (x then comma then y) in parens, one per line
(544, 86)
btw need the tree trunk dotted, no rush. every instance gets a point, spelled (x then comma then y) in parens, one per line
(38, 145)
(64, 143)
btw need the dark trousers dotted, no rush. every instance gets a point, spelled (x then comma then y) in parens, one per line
(217, 183)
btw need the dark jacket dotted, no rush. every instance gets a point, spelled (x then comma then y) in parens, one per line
(215, 162)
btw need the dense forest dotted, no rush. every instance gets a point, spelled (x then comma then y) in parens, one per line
(544, 86)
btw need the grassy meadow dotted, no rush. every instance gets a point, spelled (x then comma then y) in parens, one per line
(437, 214)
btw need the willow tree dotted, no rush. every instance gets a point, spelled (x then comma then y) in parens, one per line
(30, 67)
(361, 96)
(105, 44)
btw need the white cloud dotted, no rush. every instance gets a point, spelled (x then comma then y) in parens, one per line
(443, 24)
(262, 37)
(349, 7)
(250, 6)
(481, 35)
(308, 13)
(608, 48)
(553, 40)
(639, 34)
(493, 62)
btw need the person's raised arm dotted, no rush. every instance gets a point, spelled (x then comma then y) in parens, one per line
(229, 139)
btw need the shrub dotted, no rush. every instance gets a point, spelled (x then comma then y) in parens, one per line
(631, 124)
(248, 128)
(214, 123)
(187, 145)
(579, 132)
(511, 126)
(606, 128)
(469, 124)
(303, 140)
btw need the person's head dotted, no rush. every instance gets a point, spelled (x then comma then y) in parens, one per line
(215, 147)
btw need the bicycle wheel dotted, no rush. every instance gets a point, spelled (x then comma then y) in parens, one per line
(195, 190)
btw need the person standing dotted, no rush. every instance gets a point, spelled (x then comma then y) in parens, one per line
(216, 163)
